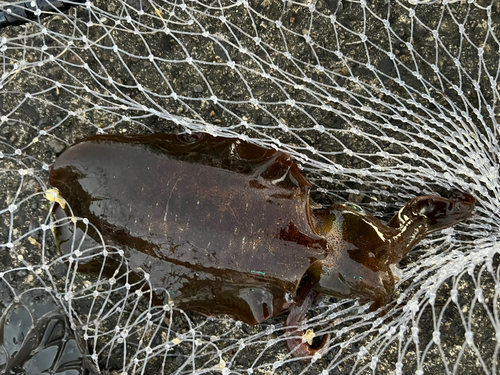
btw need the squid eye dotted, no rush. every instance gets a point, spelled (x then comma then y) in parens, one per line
(354, 207)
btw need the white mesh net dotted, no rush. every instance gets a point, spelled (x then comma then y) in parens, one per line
(378, 102)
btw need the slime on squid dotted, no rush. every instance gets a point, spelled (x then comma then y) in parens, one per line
(228, 227)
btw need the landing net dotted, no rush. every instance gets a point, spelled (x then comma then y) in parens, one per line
(378, 101)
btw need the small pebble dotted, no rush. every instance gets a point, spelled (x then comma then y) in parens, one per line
(265, 120)
(56, 145)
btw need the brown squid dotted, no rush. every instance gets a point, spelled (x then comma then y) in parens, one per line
(228, 227)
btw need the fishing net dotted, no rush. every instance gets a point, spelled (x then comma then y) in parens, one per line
(377, 101)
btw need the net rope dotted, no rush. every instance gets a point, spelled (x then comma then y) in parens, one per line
(378, 102)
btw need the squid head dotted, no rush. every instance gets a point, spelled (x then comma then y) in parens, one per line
(365, 251)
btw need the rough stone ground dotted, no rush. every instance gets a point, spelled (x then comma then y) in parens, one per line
(194, 84)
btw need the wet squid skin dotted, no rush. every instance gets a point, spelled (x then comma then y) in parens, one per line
(227, 227)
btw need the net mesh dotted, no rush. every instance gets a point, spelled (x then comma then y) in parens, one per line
(377, 101)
